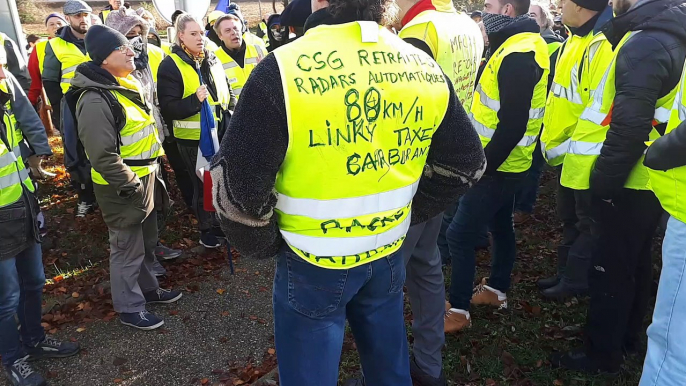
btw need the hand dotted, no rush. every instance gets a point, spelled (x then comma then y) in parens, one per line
(202, 93)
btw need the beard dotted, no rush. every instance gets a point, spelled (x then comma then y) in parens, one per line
(620, 7)
(82, 29)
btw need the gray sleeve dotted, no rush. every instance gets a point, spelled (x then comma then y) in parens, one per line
(28, 120)
(16, 63)
(97, 131)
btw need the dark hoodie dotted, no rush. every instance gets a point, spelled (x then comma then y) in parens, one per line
(254, 147)
(648, 67)
(517, 78)
(170, 89)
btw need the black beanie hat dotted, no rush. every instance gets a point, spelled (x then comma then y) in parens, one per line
(101, 40)
(593, 5)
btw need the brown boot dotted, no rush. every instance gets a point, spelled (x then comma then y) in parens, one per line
(485, 295)
(521, 218)
(455, 321)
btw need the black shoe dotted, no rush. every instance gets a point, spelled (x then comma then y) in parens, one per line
(420, 378)
(548, 282)
(563, 291)
(20, 373)
(52, 348)
(578, 360)
(209, 240)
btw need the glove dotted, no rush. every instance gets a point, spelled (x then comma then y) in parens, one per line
(35, 166)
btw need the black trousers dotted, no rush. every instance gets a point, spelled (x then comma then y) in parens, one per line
(181, 173)
(621, 273)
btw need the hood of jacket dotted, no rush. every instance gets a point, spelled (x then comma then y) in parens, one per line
(652, 15)
(496, 39)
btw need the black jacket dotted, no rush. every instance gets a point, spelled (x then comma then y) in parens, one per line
(517, 78)
(669, 151)
(170, 89)
(253, 149)
(16, 64)
(648, 67)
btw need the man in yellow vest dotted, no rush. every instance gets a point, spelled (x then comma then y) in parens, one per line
(630, 105)
(114, 5)
(449, 37)
(121, 139)
(21, 265)
(507, 113)
(665, 158)
(527, 195)
(63, 54)
(570, 93)
(324, 166)
(238, 57)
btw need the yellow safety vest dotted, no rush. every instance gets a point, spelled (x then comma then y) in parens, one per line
(552, 47)
(251, 38)
(70, 56)
(238, 76)
(265, 36)
(12, 171)
(566, 100)
(487, 100)
(40, 53)
(166, 47)
(362, 108)
(105, 14)
(594, 123)
(139, 139)
(459, 47)
(670, 186)
(155, 57)
(189, 128)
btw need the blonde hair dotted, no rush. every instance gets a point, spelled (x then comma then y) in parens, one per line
(181, 23)
(545, 12)
(222, 18)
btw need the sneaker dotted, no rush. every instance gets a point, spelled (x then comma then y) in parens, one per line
(578, 360)
(420, 378)
(161, 295)
(20, 373)
(485, 295)
(456, 320)
(143, 320)
(165, 253)
(52, 348)
(84, 208)
(209, 240)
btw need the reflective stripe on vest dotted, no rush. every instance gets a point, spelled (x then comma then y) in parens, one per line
(13, 175)
(670, 185)
(236, 75)
(189, 128)
(486, 105)
(566, 100)
(591, 130)
(139, 138)
(459, 46)
(70, 56)
(366, 164)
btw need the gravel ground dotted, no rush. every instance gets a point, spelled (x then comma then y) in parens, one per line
(204, 331)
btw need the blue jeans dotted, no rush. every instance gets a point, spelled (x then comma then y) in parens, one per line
(488, 204)
(21, 290)
(527, 194)
(311, 305)
(665, 363)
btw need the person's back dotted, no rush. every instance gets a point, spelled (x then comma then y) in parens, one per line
(332, 161)
(453, 40)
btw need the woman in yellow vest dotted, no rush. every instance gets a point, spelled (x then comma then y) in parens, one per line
(314, 171)
(238, 57)
(121, 139)
(181, 95)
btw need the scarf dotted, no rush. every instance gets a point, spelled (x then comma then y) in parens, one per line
(494, 22)
(196, 58)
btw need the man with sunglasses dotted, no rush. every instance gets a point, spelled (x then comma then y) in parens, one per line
(118, 131)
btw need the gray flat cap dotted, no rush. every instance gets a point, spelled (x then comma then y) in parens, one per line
(74, 7)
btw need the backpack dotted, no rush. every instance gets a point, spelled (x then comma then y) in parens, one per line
(75, 158)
